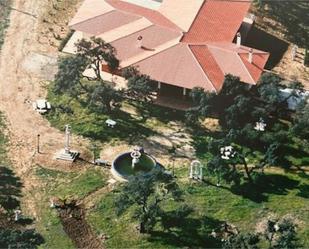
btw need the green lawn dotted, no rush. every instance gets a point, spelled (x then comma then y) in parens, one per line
(143, 122)
(279, 192)
(63, 185)
(287, 197)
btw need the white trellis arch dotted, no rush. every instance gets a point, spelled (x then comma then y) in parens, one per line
(196, 170)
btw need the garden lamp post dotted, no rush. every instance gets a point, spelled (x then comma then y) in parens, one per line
(38, 143)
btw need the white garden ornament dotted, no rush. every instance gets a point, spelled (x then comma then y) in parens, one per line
(196, 170)
(227, 152)
(260, 126)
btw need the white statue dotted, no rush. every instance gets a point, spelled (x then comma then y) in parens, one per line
(67, 138)
(17, 214)
(135, 154)
(260, 126)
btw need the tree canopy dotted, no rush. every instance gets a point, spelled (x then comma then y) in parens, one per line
(69, 75)
(277, 234)
(301, 120)
(17, 239)
(242, 109)
(103, 97)
(97, 51)
(140, 86)
(99, 94)
(145, 194)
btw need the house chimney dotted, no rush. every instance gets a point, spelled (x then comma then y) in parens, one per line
(250, 56)
(238, 41)
(139, 42)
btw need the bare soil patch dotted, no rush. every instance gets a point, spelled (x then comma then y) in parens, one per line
(54, 21)
(74, 224)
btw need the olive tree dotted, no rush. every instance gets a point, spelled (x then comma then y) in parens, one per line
(145, 194)
(97, 51)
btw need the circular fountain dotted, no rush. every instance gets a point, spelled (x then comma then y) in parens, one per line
(132, 163)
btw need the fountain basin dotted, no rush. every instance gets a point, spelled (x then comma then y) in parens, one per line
(122, 166)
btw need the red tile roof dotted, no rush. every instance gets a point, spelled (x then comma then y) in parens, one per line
(152, 15)
(257, 66)
(152, 37)
(203, 56)
(217, 21)
(209, 65)
(234, 60)
(176, 66)
(111, 20)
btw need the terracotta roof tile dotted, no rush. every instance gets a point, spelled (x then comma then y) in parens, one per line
(105, 22)
(152, 15)
(217, 21)
(181, 12)
(152, 37)
(90, 9)
(230, 63)
(258, 63)
(234, 60)
(209, 65)
(204, 56)
(176, 66)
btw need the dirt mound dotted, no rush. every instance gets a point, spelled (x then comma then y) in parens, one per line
(74, 224)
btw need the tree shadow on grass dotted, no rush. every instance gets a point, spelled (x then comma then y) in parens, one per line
(303, 191)
(264, 186)
(127, 128)
(10, 189)
(189, 232)
(164, 114)
(289, 156)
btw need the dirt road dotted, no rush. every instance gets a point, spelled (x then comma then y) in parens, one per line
(19, 85)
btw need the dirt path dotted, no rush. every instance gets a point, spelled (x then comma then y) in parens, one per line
(25, 64)
(74, 224)
(17, 88)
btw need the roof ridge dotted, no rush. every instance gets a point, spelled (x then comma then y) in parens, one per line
(156, 53)
(197, 14)
(150, 10)
(241, 60)
(221, 48)
(201, 68)
(255, 51)
(135, 32)
(91, 18)
(245, 48)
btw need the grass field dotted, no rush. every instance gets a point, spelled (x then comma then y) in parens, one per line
(280, 193)
(287, 196)
(130, 126)
(64, 185)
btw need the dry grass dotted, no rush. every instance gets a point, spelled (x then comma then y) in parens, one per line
(54, 23)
